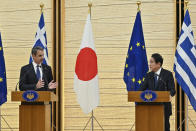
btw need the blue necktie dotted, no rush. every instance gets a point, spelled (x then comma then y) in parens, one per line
(38, 72)
(156, 80)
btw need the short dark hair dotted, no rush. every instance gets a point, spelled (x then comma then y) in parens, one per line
(35, 49)
(158, 58)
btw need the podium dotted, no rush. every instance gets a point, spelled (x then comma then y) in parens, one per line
(36, 115)
(149, 116)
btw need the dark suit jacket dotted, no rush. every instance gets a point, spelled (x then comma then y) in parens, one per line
(28, 79)
(165, 83)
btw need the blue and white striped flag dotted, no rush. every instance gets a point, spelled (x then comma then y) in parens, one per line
(41, 40)
(185, 61)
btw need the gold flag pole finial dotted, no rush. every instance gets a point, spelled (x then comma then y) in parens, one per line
(138, 4)
(186, 4)
(90, 5)
(41, 6)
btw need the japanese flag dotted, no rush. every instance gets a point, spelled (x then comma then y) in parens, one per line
(86, 73)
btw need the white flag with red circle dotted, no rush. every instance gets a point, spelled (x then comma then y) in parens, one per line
(86, 73)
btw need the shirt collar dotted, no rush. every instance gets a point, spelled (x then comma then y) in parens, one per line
(35, 65)
(158, 72)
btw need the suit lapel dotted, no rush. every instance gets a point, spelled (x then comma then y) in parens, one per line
(43, 70)
(34, 77)
(160, 76)
(44, 77)
(152, 86)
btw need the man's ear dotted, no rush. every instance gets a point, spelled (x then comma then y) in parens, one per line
(33, 55)
(159, 64)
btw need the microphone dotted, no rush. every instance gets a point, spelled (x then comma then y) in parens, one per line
(22, 79)
(151, 76)
(161, 81)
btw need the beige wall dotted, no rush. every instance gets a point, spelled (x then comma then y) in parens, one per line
(18, 25)
(112, 27)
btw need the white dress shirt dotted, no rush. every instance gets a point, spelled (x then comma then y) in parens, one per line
(158, 73)
(40, 69)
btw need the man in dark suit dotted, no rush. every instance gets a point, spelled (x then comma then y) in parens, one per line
(36, 75)
(160, 79)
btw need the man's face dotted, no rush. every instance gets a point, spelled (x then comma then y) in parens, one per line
(39, 57)
(153, 65)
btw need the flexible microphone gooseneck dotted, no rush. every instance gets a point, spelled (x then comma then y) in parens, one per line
(23, 77)
(161, 81)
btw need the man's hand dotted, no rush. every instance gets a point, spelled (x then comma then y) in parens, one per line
(52, 85)
(40, 84)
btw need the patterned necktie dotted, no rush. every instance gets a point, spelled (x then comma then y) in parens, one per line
(38, 72)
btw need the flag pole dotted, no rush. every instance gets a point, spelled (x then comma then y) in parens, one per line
(186, 97)
(138, 10)
(138, 4)
(187, 119)
(90, 5)
(41, 6)
(0, 118)
(92, 121)
(186, 4)
(92, 117)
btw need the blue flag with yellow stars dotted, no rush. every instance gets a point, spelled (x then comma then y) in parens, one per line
(3, 81)
(136, 65)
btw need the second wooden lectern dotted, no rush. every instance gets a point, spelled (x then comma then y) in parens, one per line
(36, 115)
(149, 116)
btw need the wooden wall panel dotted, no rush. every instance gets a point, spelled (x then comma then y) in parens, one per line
(18, 25)
(112, 22)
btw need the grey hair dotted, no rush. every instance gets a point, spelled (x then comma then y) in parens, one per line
(35, 49)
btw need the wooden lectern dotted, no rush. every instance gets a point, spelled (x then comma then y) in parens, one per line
(35, 116)
(149, 116)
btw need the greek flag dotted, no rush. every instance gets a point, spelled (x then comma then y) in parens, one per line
(185, 61)
(41, 40)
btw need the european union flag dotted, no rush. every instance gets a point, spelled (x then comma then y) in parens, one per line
(41, 39)
(136, 65)
(3, 82)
